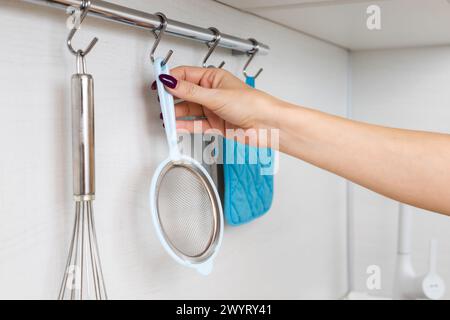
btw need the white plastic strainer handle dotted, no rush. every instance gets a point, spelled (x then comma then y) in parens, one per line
(168, 109)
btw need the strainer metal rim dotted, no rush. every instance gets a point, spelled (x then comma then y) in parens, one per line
(207, 182)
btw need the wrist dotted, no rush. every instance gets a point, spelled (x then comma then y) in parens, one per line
(271, 121)
(269, 114)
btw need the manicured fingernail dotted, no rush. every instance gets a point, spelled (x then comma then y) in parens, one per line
(161, 116)
(168, 81)
(164, 126)
(154, 86)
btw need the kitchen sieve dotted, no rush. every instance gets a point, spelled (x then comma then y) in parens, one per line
(185, 205)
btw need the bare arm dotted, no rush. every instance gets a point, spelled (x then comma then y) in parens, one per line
(409, 166)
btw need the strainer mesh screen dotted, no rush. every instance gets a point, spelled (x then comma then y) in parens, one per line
(185, 211)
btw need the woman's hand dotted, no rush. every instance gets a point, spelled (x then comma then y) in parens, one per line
(224, 100)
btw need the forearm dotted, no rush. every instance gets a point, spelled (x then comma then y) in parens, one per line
(408, 166)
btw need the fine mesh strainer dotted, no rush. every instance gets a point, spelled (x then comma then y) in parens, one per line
(186, 208)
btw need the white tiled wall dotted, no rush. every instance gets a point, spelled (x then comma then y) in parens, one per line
(296, 251)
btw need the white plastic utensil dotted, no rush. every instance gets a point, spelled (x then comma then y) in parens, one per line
(185, 205)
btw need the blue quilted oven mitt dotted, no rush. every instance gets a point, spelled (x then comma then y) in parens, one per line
(248, 187)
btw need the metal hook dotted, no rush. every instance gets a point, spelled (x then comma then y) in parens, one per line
(162, 29)
(212, 46)
(81, 63)
(252, 53)
(85, 5)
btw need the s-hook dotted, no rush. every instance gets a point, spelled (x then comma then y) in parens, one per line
(212, 46)
(252, 53)
(85, 5)
(158, 35)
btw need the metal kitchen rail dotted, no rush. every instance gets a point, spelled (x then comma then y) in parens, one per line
(112, 12)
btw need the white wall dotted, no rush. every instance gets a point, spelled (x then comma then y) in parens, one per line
(409, 89)
(296, 251)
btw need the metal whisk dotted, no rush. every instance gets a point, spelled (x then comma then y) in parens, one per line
(83, 277)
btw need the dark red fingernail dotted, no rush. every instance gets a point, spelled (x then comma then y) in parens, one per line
(161, 116)
(154, 86)
(164, 126)
(168, 81)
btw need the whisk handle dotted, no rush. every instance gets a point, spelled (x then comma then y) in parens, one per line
(83, 137)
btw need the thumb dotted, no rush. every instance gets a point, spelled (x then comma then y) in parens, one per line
(191, 92)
